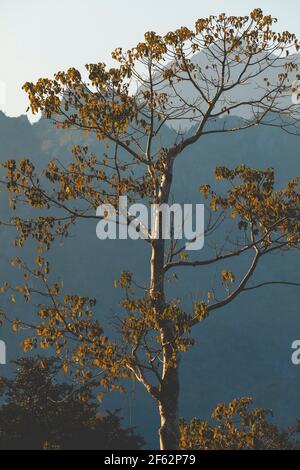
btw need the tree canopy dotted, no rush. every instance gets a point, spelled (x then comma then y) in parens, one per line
(40, 411)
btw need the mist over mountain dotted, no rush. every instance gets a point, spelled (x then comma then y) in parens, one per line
(260, 77)
(243, 349)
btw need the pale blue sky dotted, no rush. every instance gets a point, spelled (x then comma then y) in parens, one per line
(39, 37)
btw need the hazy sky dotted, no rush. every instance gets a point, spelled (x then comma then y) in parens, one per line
(40, 37)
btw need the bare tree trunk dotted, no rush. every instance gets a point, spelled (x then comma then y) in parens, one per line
(168, 410)
(169, 389)
(168, 399)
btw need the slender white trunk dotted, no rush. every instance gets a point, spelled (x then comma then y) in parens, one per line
(168, 411)
(169, 388)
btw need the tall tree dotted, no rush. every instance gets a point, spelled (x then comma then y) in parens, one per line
(129, 107)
